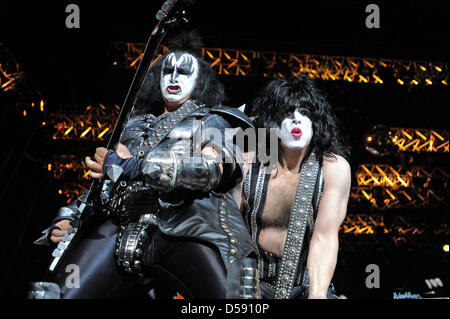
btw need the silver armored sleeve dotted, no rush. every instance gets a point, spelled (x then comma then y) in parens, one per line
(166, 170)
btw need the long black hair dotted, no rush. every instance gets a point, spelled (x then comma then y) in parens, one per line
(208, 89)
(282, 96)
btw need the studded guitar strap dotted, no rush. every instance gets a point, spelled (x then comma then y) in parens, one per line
(301, 211)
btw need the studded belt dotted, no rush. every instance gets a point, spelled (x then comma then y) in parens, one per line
(131, 241)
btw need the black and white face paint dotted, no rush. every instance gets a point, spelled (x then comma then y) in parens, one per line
(296, 130)
(178, 76)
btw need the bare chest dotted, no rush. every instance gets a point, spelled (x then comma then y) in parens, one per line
(279, 200)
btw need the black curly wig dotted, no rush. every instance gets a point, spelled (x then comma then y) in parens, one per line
(282, 96)
(208, 89)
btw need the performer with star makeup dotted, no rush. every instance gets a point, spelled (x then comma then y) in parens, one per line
(167, 219)
(294, 210)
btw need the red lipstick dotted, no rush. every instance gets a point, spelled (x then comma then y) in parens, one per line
(296, 132)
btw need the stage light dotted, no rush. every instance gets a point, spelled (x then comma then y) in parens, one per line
(68, 131)
(86, 131)
(42, 105)
(445, 248)
(369, 139)
(103, 133)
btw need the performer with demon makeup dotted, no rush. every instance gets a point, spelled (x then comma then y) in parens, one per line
(294, 210)
(167, 214)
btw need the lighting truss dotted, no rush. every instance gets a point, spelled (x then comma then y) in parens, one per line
(396, 227)
(94, 124)
(383, 175)
(385, 140)
(71, 175)
(383, 198)
(10, 71)
(68, 167)
(68, 192)
(276, 64)
(420, 140)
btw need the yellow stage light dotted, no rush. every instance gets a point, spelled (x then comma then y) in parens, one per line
(85, 132)
(103, 133)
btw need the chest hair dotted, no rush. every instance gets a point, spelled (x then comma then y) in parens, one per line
(279, 201)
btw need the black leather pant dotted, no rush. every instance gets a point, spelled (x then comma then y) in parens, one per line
(192, 268)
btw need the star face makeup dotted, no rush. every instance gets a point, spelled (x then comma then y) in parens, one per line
(178, 76)
(296, 130)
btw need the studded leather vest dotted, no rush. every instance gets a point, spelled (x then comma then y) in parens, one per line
(214, 217)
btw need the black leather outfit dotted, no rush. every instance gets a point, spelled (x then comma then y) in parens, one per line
(199, 245)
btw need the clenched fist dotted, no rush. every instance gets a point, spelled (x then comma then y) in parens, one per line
(96, 166)
(57, 235)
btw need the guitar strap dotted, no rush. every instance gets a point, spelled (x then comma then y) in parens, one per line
(300, 214)
(166, 125)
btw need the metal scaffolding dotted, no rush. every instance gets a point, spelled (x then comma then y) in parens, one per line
(10, 71)
(414, 140)
(278, 64)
